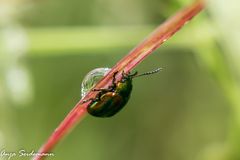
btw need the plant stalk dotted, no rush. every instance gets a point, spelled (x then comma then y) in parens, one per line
(137, 55)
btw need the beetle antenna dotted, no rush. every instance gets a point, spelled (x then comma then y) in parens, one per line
(148, 73)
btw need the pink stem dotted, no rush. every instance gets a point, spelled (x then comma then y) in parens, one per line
(137, 55)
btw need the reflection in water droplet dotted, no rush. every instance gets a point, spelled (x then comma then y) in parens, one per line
(91, 79)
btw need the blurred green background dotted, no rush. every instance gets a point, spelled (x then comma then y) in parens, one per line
(190, 111)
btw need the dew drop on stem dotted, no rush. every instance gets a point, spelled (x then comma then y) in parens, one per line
(91, 79)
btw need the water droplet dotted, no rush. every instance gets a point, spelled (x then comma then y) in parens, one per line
(91, 79)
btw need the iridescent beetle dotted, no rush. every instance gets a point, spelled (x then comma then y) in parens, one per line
(111, 100)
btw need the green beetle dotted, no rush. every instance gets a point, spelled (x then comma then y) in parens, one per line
(111, 100)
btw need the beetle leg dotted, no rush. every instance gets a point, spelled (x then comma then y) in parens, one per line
(93, 99)
(114, 77)
(100, 89)
(123, 74)
(110, 88)
(113, 86)
(87, 100)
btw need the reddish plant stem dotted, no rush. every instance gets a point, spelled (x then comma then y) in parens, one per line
(137, 55)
